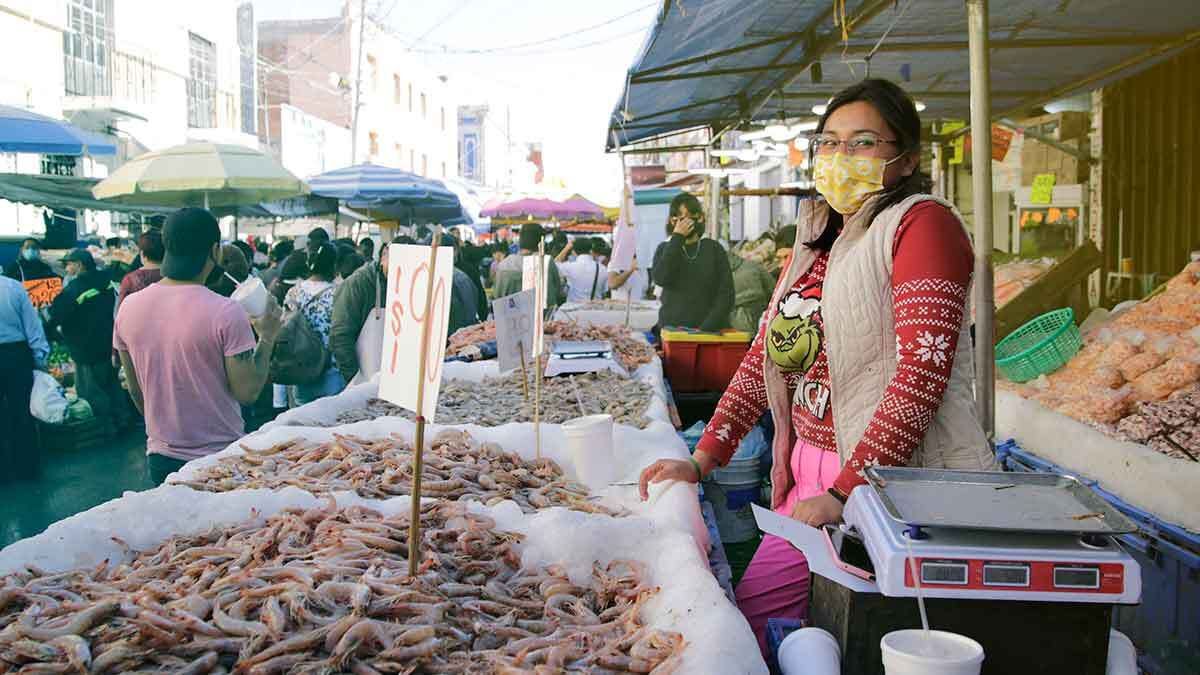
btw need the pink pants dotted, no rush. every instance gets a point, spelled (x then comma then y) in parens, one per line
(776, 582)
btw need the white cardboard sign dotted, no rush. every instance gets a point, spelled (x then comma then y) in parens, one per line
(532, 280)
(514, 329)
(407, 316)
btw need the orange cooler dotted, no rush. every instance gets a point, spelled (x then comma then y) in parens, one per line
(697, 361)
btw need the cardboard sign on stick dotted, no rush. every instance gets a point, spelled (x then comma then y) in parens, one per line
(514, 329)
(407, 317)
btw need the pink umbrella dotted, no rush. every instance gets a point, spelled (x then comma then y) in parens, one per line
(578, 208)
(537, 208)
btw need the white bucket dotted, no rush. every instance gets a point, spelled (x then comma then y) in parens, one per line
(810, 651)
(590, 446)
(251, 294)
(1122, 656)
(909, 652)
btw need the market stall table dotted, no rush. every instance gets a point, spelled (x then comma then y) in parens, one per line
(643, 314)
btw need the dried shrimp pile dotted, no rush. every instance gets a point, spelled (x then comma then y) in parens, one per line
(455, 466)
(497, 401)
(327, 590)
(1172, 427)
(628, 350)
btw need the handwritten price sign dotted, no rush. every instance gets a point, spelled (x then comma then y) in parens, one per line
(42, 292)
(407, 315)
(514, 329)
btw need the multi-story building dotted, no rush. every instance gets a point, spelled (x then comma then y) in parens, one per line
(150, 74)
(408, 117)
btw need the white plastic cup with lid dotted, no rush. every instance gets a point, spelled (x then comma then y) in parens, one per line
(919, 652)
(810, 651)
(590, 446)
(251, 294)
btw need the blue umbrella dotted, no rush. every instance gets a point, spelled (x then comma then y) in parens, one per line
(25, 131)
(390, 193)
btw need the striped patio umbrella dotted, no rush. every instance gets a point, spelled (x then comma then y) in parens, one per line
(391, 193)
(209, 175)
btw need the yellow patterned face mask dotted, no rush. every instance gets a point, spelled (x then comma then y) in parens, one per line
(846, 181)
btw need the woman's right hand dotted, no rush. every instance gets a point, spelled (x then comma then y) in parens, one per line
(683, 226)
(664, 470)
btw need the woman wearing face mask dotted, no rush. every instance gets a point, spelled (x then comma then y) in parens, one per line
(864, 358)
(693, 272)
(29, 264)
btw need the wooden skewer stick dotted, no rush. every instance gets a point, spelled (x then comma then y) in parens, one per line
(414, 527)
(539, 302)
(524, 371)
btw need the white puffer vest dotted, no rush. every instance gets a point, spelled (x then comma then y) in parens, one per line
(860, 343)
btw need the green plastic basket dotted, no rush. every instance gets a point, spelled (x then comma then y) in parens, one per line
(1040, 347)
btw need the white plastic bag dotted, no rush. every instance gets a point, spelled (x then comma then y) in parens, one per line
(370, 347)
(48, 401)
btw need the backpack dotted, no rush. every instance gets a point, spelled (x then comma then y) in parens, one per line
(300, 357)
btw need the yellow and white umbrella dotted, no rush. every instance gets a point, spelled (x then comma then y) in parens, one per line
(209, 175)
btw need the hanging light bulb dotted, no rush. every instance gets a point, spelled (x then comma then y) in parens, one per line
(820, 109)
(920, 106)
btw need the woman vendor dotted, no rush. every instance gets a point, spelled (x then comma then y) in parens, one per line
(693, 271)
(864, 358)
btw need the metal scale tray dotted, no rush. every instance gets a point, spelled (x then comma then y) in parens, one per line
(995, 500)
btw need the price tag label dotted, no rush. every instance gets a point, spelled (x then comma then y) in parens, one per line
(1043, 189)
(42, 292)
(534, 279)
(514, 329)
(407, 317)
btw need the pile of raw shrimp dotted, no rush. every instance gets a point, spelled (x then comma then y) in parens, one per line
(455, 467)
(327, 590)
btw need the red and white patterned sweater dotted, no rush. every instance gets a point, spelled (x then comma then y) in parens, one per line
(931, 275)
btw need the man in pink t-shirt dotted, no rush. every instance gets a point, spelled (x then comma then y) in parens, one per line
(189, 354)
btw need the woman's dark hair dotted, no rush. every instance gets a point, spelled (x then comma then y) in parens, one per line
(348, 264)
(151, 246)
(247, 252)
(322, 261)
(294, 267)
(282, 250)
(693, 206)
(897, 109)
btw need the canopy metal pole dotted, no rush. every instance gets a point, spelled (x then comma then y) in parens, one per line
(981, 196)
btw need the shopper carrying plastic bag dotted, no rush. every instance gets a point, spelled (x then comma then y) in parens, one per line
(48, 401)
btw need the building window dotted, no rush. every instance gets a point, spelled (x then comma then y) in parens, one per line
(424, 165)
(412, 161)
(372, 73)
(424, 109)
(399, 152)
(410, 97)
(443, 118)
(58, 165)
(443, 169)
(87, 48)
(202, 83)
(374, 136)
(247, 71)
(397, 91)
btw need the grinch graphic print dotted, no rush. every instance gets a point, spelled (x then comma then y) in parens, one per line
(795, 341)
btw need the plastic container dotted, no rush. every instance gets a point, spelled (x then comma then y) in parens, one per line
(1169, 556)
(698, 361)
(810, 651)
(251, 294)
(1122, 657)
(1040, 347)
(731, 490)
(590, 446)
(916, 652)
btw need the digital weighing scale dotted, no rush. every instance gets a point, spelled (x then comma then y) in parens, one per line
(987, 535)
(1026, 564)
(571, 358)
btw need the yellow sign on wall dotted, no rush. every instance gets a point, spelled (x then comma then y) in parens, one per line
(1043, 189)
(958, 145)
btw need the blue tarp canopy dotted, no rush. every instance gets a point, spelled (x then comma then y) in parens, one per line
(64, 192)
(22, 130)
(722, 63)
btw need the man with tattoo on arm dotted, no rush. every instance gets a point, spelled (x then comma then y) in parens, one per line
(189, 354)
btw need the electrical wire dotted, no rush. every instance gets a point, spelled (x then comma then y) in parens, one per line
(442, 21)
